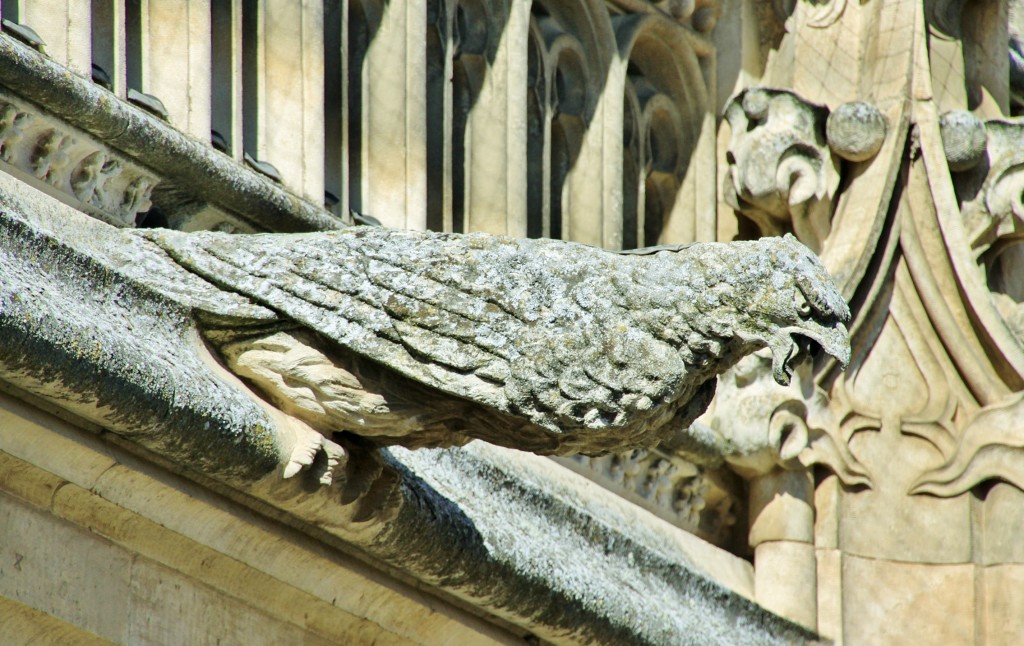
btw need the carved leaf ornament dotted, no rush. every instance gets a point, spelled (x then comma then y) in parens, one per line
(990, 444)
(947, 268)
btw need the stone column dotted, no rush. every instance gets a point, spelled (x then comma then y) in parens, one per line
(285, 70)
(65, 26)
(782, 535)
(391, 127)
(495, 173)
(176, 61)
(108, 43)
(226, 74)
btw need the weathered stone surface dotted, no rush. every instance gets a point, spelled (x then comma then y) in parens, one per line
(1003, 622)
(856, 130)
(888, 602)
(64, 318)
(703, 499)
(67, 162)
(781, 173)
(84, 333)
(963, 139)
(557, 347)
(508, 532)
(25, 625)
(679, 605)
(114, 507)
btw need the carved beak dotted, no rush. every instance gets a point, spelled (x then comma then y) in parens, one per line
(832, 339)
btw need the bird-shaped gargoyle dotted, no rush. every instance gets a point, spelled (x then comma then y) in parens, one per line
(430, 339)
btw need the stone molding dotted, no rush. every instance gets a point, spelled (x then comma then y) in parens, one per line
(72, 165)
(193, 176)
(701, 500)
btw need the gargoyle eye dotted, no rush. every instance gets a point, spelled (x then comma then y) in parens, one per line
(803, 308)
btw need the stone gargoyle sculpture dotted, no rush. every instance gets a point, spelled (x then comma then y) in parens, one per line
(429, 339)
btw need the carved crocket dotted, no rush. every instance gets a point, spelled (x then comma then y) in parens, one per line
(428, 339)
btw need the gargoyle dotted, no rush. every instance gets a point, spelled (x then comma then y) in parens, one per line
(429, 339)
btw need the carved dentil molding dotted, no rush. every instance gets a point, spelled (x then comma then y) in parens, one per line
(71, 165)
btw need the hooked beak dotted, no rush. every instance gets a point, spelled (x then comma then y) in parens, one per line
(832, 339)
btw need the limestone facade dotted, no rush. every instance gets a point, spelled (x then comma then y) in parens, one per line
(877, 505)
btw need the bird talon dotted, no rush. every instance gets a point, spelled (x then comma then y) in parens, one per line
(337, 456)
(306, 447)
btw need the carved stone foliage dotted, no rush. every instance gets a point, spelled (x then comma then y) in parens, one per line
(989, 445)
(761, 425)
(781, 173)
(994, 216)
(698, 499)
(784, 158)
(72, 165)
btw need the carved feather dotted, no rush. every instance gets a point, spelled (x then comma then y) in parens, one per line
(582, 349)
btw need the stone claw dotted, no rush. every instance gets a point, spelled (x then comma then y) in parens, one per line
(308, 443)
(306, 446)
(337, 457)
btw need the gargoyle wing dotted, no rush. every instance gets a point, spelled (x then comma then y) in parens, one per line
(596, 350)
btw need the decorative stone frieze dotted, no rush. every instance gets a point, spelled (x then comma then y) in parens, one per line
(72, 165)
(701, 500)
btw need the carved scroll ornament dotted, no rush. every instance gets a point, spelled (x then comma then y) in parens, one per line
(781, 173)
(784, 158)
(758, 425)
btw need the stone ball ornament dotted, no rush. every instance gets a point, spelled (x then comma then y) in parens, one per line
(755, 104)
(963, 139)
(856, 130)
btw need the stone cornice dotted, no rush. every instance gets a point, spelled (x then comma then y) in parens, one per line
(191, 170)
